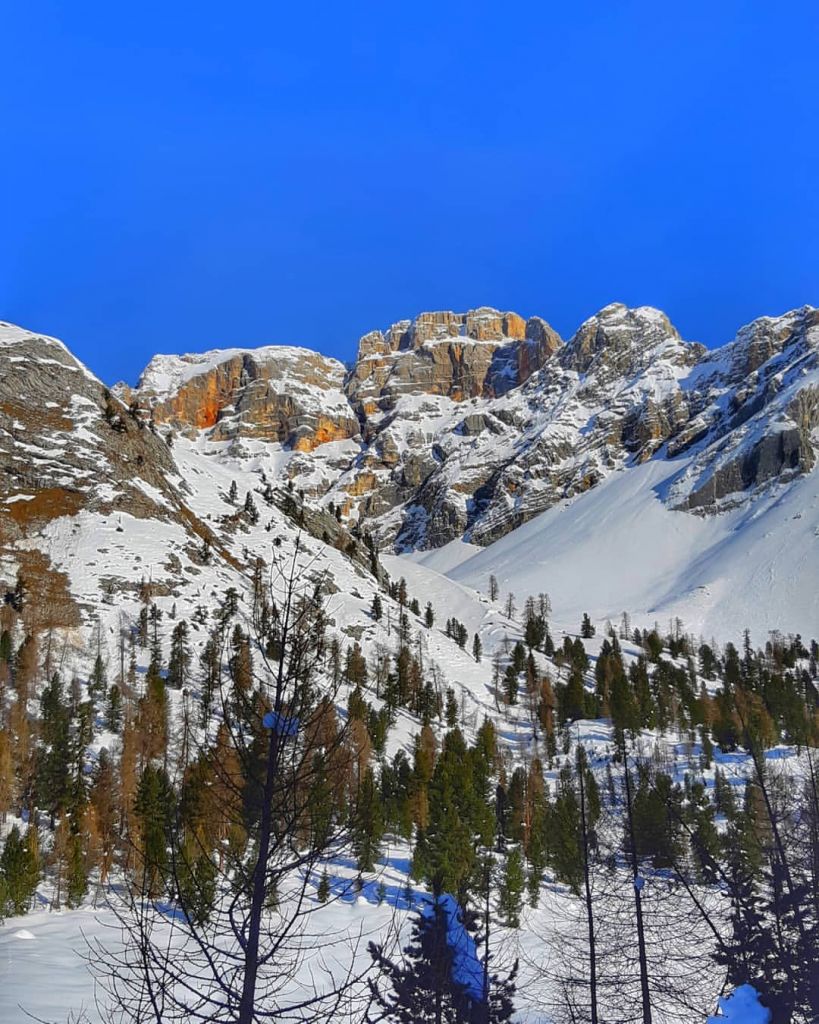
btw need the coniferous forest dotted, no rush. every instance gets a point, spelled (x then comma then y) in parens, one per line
(630, 832)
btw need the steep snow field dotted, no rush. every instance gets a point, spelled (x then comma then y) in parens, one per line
(619, 548)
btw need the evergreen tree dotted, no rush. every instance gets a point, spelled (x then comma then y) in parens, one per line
(477, 648)
(377, 609)
(510, 893)
(76, 875)
(19, 872)
(572, 699)
(368, 825)
(54, 755)
(429, 615)
(452, 709)
(510, 685)
(154, 807)
(180, 657)
(97, 683)
(424, 989)
(195, 880)
(113, 711)
(565, 838)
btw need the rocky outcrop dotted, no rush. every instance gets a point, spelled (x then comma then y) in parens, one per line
(67, 444)
(290, 396)
(775, 456)
(481, 353)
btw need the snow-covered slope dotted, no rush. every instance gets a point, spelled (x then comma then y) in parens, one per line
(620, 547)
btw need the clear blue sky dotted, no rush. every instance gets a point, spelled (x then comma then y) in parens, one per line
(178, 176)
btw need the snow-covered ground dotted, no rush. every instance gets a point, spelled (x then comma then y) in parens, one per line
(620, 548)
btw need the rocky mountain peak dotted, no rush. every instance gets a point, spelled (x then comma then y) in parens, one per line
(481, 353)
(623, 340)
(291, 396)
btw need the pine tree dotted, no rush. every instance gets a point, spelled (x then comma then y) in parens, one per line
(429, 615)
(54, 755)
(19, 872)
(76, 877)
(423, 985)
(573, 703)
(113, 711)
(249, 510)
(510, 893)
(323, 892)
(98, 682)
(565, 833)
(180, 657)
(510, 685)
(154, 807)
(233, 493)
(377, 609)
(451, 712)
(477, 648)
(368, 824)
(195, 880)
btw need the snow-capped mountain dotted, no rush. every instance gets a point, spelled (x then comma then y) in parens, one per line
(640, 457)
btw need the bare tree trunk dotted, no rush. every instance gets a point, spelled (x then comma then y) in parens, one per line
(638, 905)
(587, 892)
(251, 951)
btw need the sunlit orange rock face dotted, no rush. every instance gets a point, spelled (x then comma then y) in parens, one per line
(325, 430)
(481, 353)
(303, 400)
(289, 396)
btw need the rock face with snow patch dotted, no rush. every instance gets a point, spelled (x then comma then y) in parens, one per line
(65, 442)
(285, 395)
(481, 353)
(756, 404)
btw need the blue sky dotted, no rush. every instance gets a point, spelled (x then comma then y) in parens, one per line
(178, 177)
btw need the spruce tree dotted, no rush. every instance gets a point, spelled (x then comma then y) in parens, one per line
(510, 894)
(180, 657)
(424, 989)
(113, 711)
(154, 806)
(368, 824)
(19, 873)
(323, 892)
(76, 875)
(97, 682)
(565, 838)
